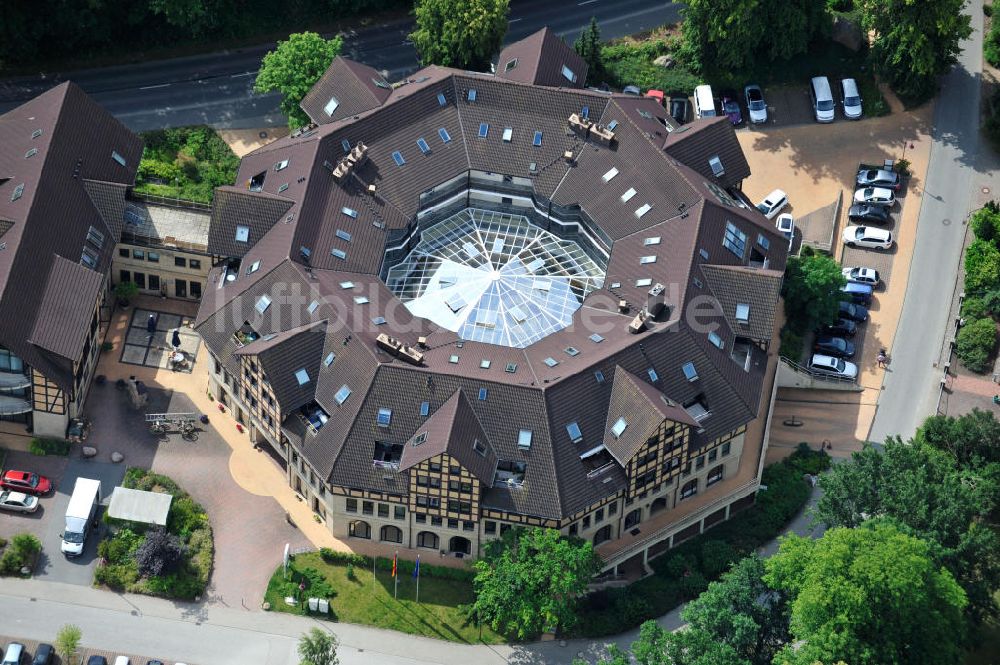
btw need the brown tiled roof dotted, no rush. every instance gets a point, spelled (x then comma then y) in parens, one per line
(54, 145)
(539, 59)
(642, 408)
(698, 142)
(286, 353)
(452, 429)
(356, 87)
(234, 206)
(757, 288)
(552, 382)
(67, 308)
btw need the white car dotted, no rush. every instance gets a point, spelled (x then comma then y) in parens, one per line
(18, 502)
(852, 100)
(867, 236)
(833, 366)
(861, 275)
(773, 203)
(755, 104)
(786, 227)
(876, 196)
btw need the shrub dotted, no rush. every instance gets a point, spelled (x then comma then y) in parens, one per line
(632, 64)
(791, 345)
(68, 642)
(975, 343)
(119, 577)
(121, 547)
(840, 5)
(991, 303)
(20, 552)
(985, 222)
(43, 447)
(992, 123)
(974, 308)
(316, 584)
(982, 266)
(159, 553)
(807, 460)
(716, 557)
(125, 291)
(186, 516)
(991, 43)
(693, 584)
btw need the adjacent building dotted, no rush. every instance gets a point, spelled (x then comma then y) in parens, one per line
(462, 302)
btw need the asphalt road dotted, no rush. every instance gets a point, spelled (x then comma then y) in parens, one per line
(910, 387)
(217, 88)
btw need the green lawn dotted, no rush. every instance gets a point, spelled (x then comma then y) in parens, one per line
(360, 601)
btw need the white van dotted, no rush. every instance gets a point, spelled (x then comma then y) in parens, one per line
(80, 515)
(704, 102)
(852, 100)
(822, 99)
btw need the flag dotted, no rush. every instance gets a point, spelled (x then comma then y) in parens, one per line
(416, 567)
(394, 564)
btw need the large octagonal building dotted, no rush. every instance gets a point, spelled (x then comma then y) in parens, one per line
(463, 301)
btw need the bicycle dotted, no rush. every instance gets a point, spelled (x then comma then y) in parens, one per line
(189, 432)
(158, 428)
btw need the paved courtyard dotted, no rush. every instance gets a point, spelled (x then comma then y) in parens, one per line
(142, 347)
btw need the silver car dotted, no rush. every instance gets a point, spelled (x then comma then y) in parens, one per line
(18, 502)
(876, 196)
(878, 178)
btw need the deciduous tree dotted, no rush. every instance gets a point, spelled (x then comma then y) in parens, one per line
(812, 291)
(869, 596)
(915, 42)
(530, 580)
(68, 642)
(292, 69)
(459, 33)
(318, 647)
(658, 646)
(159, 553)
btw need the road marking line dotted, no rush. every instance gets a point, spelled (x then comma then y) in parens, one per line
(585, 2)
(513, 20)
(153, 87)
(236, 76)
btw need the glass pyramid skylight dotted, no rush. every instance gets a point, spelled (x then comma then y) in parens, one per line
(495, 277)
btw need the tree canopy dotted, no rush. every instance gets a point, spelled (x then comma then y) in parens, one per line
(459, 33)
(812, 291)
(318, 647)
(292, 69)
(915, 42)
(530, 580)
(588, 47)
(869, 596)
(658, 646)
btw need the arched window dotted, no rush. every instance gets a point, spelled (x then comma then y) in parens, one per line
(633, 518)
(603, 534)
(391, 534)
(658, 505)
(360, 529)
(715, 475)
(428, 540)
(689, 489)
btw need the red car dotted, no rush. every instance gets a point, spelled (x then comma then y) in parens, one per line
(25, 481)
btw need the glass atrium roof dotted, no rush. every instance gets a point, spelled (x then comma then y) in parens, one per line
(495, 277)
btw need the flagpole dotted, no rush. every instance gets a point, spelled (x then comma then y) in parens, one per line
(417, 570)
(395, 573)
(373, 572)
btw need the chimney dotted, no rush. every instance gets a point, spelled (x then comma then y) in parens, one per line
(654, 300)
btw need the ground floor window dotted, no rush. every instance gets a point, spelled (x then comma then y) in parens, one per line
(180, 288)
(603, 534)
(633, 518)
(428, 539)
(689, 489)
(391, 534)
(360, 529)
(715, 475)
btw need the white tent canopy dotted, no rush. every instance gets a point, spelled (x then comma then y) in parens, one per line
(140, 506)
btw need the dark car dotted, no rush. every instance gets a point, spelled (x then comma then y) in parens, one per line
(731, 107)
(837, 347)
(154, 662)
(44, 654)
(842, 328)
(864, 212)
(849, 310)
(97, 660)
(680, 109)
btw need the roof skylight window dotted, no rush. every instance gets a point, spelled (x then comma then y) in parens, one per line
(331, 106)
(619, 427)
(453, 359)
(645, 281)
(425, 408)
(262, 304)
(508, 134)
(472, 95)
(568, 74)
(511, 64)
(31, 153)
(716, 164)
(95, 237)
(479, 447)
(655, 240)
(575, 435)
(360, 300)
(690, 373)
(643, 260)
(445, 136)
(422, 144)
(643, 209)
(484, 364)
(609, 176)
(313, 306)
(35, 134)
(743, 312)
(341, 395)
(441, 99)
(253, 267)
(482, 394)
(350, 212)
(343, 235)
(420, 438)
(627, 196)
(330, 357)
(599, 376)
(484, 129)
(596, 339)
(653, 376)
(379, 320)
(572, 351)
(339, 253)
(302, 376)
(346, 145)
(89, 257)
(118, 158)
(510, 368)
(613, 125)
(283, 164)
(242, 234)
(550, 361)
(282, 187)
(384, 418)
(347, 285)
(524, 438)
(397, 157)
(714, 338)
(537, 141)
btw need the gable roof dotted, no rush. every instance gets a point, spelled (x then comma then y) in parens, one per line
(756, 288)
(355, 87)
(696, 143)
(641, 408)
(539, 59)
(67, 308)
(234, 207)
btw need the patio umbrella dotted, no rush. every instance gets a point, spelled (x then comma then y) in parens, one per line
(151, 323)
(175, 339)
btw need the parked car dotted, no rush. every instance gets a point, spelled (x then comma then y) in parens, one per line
(876, 196)
(851, 99)
(861, 275)
(97, 660)
(44, 654)
(154, 662)
(18, 502)
(868, 237)
(731, 107)
(834, 346)
(773, 203)
(756, 106)
(824, 364)
(863, 212)
(859, 294)
(25, 481)
(122, 660)
(632, 90)
(680, 109)
(842, 328)
(849, 310)
(786, 227)
(14, 654)
(878, 178)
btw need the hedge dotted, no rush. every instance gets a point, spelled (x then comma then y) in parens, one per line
(685, 571)
(974, 344)
(404, 567)
(43, 447)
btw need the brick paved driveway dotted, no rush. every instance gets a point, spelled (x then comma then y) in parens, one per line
(250, 530)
